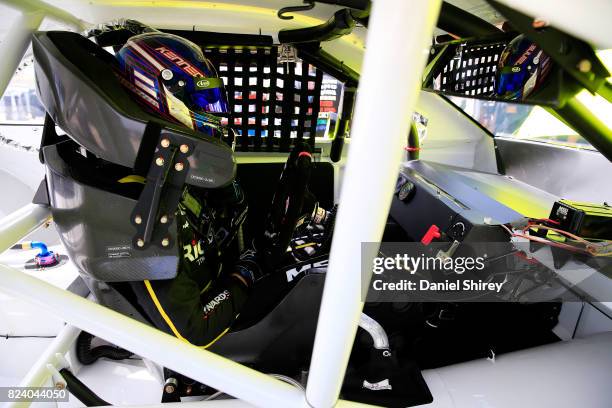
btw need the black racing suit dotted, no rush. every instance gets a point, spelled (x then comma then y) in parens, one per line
(203, 300)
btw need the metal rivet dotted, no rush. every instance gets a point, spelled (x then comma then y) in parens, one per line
(167, 74)
(165, 142)
(163, 219)
(184, 148)
(181, 83)
(584, 65)
(140, 243)
(159, 161)
(171, 385)
(138, 219)
(179, 166)
(165, 242)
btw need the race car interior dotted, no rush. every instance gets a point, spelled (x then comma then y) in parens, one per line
(458, 186)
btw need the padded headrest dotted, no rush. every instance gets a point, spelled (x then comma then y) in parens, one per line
(77, 84)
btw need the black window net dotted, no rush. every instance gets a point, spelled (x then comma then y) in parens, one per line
(273, 105)
(471, 71)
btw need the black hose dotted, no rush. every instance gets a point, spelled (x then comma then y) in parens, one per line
(86, 355)
(340, 24)
(343, 124)
(81, 392)
(354, 4)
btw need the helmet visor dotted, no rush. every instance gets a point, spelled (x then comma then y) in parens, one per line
(209, 96)
(510, 82)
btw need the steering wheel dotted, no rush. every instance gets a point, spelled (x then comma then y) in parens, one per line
(290, 204)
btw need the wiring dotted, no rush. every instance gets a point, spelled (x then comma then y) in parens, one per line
(541, 240)
(603, 248)
(577, 244)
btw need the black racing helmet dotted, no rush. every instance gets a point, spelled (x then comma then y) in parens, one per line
(522, 68)
(171, 77)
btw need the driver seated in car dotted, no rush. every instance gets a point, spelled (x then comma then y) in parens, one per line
(171, 77)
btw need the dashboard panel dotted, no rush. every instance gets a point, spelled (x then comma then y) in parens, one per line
(469, 206)
(464, 204)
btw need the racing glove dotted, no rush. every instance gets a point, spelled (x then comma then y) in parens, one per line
(247, 269)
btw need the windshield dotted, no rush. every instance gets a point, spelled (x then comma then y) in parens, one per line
(534, 123)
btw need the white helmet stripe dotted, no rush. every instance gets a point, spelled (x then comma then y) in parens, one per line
(144, 79)
(146, 88)
(145, 55)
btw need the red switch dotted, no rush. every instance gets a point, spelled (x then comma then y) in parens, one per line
(432, 233)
